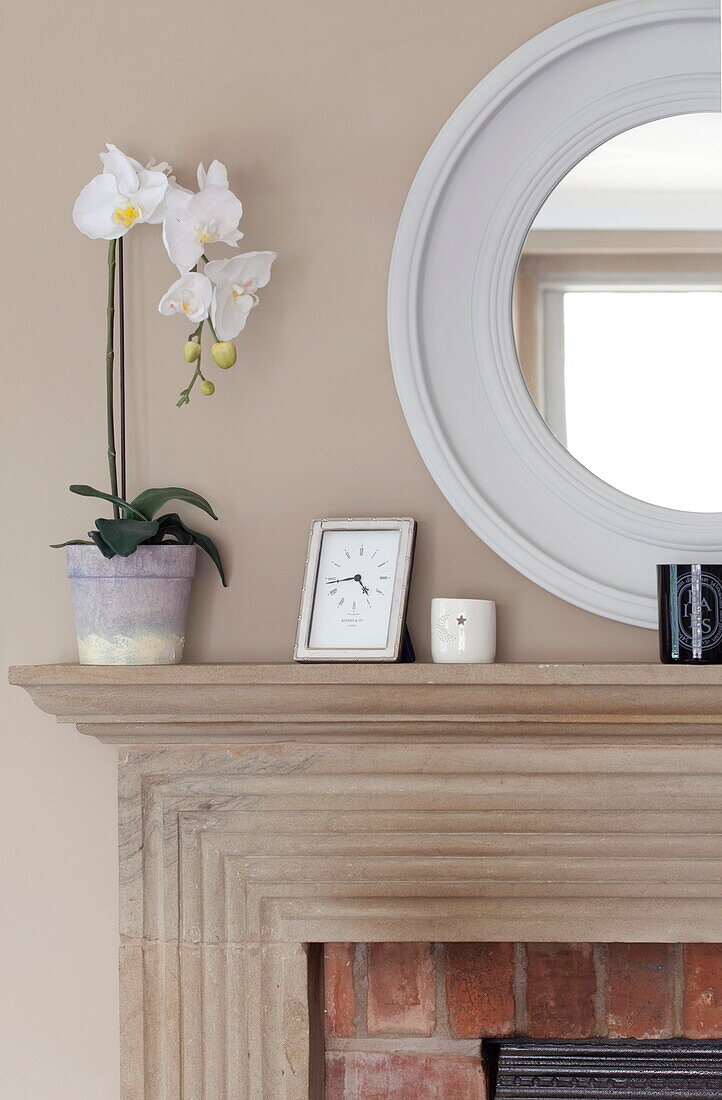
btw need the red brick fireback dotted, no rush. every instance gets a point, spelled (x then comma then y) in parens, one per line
(480, 989)
(561, 986)
(640, 990)
(362, 1075)
(703, 990)
(544, 990)
(402, 989)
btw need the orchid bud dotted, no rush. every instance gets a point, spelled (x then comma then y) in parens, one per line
(207, 387)
(191, 351)
(224, 353)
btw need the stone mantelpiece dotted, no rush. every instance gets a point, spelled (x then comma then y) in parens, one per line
(226, 704)
(264, 808)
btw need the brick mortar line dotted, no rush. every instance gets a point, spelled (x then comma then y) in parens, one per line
(601, 989)
(520, 987)
(442, 1029)
(678, 976)
(406, 1045)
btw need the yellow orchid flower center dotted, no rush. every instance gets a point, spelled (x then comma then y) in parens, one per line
(126, 215)
(239, 289)
(206, 232)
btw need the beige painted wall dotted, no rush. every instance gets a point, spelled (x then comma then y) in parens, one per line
(322, 112)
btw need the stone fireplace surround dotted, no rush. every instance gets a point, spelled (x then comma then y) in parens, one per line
(265, 809)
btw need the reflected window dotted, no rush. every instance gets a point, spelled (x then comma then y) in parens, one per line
(617, 312)
(632, 385)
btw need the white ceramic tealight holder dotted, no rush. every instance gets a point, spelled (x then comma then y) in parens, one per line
(463, 631)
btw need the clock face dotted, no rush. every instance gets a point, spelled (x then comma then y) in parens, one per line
(354, 589)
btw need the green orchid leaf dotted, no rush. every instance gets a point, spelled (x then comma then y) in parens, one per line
(152, 500)
(89, 491)
(211, 550)
(102, 545)
(124, 536)
(70, 542)
(174, 526)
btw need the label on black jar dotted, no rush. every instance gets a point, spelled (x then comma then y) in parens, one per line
(708, 608)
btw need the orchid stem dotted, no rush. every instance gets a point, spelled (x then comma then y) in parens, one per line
(210, 323)
(109, 386)
(121, 366)
(197, 373)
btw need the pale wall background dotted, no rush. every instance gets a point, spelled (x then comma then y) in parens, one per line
(323, 111)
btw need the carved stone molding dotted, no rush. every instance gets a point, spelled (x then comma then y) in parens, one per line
(234, 858)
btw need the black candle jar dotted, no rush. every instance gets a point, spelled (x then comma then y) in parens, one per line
(690, 614)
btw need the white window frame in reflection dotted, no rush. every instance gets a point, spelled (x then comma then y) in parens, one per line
(553, 369)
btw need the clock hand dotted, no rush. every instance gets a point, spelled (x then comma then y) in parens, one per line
(340, 580)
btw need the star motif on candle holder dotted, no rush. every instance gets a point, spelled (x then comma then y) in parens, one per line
(461, 620)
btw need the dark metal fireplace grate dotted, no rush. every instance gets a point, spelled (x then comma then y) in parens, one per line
(525, 1069)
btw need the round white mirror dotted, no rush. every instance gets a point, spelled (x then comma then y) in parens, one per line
(618, 312)
(588, 523)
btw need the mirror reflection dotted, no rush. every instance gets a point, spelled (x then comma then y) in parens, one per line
(618, 312)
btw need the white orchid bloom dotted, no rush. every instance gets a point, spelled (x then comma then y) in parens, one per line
(216, 174)
(160, 166)
(189, 296)
(123, 195)
(192, 222)
(235, 285)
(167, 169)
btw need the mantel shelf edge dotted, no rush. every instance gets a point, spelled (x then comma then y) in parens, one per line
(242, 703)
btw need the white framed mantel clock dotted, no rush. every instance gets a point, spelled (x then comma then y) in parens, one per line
(355, 591)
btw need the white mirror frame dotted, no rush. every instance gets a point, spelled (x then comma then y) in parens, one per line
(478, 190)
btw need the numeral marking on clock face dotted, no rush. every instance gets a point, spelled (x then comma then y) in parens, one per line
(359, 591)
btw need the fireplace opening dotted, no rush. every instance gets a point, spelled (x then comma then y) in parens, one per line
(491, 1021)
(623, 1069)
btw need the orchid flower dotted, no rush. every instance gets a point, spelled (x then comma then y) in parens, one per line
(189, 296)
(192, 222)
(123, 194)
(160, 166)
(216, 174)
(236, 282)
(167, 170)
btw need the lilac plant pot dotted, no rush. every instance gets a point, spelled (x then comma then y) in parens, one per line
(131, 611)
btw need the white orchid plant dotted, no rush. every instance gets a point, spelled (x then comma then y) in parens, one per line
(221, 295)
